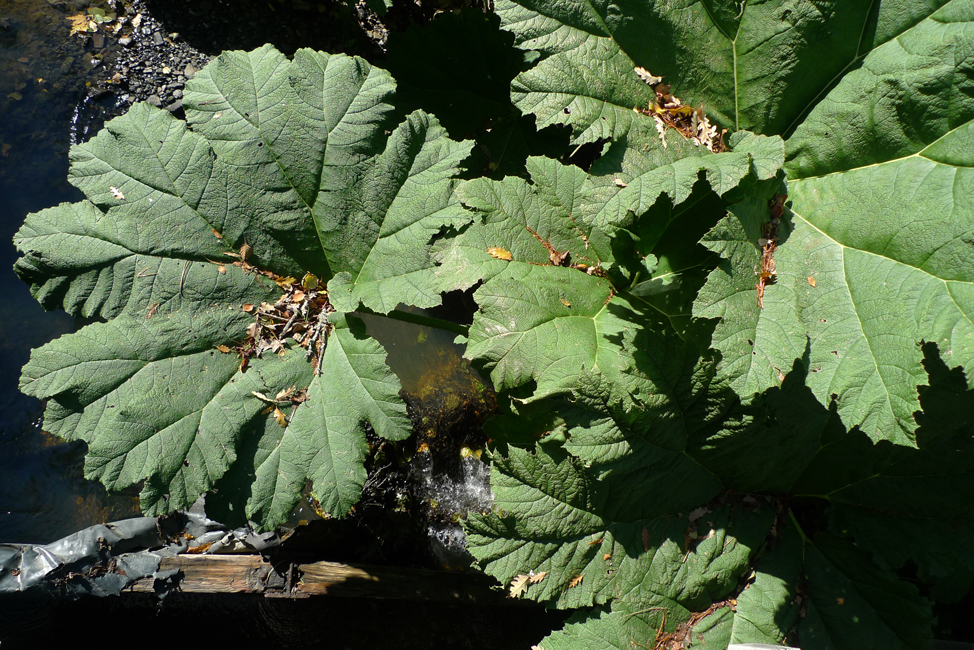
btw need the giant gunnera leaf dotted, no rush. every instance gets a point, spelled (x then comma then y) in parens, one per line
(874, 255)
(818, 284)
(201, 255)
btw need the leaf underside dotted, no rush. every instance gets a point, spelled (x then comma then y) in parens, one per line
(186, 228)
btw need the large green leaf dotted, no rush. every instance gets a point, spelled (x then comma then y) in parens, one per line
(821, 594)
(755, 66)
(549, 311)
(124, 384)
(758, 345)
(285, 167)
(299, 138)
(156, 196)
(406, 199)
(875, 254)
(552, 515)
(325, 439)
(852, 603)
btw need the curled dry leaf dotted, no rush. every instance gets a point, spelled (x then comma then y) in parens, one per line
(519, 584)
(647, 76)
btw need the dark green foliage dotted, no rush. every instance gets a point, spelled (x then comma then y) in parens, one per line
(680, 461)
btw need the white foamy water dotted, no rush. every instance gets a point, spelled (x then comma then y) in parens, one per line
(451, 499)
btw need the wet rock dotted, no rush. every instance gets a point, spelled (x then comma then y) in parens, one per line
(97, 92)
(98, 40)
(125, 41)
(157, 38)
(155, 100)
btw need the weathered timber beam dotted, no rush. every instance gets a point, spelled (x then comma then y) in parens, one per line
(253, 574)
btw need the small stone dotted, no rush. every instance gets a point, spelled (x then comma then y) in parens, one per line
(125, 41)
(166, 70)
(175, 106)
(189, 71)
(177, 94)
(157, 38)
(98, 40)
(155, 100)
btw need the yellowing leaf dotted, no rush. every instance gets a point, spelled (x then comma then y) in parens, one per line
(310, 281)
(500, 253)
(223, 348)
(574, 582)
(79, 23)
(280, 417)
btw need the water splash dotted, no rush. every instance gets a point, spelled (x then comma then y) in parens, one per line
(450, 496)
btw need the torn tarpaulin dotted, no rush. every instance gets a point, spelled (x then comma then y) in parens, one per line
(104, 559)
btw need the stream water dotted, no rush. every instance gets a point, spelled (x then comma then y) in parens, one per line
(44, 107)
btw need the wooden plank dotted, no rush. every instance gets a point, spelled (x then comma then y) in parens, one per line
(253, 574)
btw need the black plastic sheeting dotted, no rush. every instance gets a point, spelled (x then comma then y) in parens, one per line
(102, 560)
